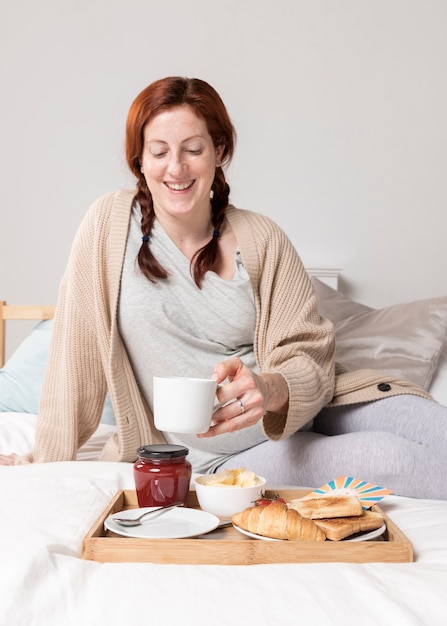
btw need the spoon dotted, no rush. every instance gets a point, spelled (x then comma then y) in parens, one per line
(137, 521)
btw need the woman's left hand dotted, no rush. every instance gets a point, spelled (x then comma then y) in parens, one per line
(246, 397)
(7, 459)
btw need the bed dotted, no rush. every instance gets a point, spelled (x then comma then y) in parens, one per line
(48, 509)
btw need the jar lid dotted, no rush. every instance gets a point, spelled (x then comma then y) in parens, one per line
(162, 451)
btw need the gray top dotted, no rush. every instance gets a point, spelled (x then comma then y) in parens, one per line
(172, 328)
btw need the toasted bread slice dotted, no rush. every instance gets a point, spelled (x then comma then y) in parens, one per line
(338, 528)
(323, 507)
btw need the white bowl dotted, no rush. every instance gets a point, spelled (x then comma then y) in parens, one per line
(225, 501)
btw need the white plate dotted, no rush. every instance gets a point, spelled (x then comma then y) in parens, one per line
(179, 523)
(253, 536)
(359, 537)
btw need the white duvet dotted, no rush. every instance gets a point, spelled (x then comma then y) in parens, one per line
(47, 509)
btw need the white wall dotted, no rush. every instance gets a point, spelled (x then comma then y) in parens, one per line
(340, 107)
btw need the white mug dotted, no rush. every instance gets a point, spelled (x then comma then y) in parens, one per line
(183, 405)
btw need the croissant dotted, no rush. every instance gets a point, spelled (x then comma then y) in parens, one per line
(277, 521)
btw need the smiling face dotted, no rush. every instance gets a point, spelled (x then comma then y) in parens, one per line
(179, 162)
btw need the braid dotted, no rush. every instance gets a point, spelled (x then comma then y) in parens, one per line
(148, 264)
(205, 258)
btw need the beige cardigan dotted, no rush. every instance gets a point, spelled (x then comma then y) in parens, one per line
(87, 355)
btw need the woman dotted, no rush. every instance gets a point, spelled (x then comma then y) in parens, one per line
(171, 279)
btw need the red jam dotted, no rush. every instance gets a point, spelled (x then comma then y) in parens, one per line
(162, 475)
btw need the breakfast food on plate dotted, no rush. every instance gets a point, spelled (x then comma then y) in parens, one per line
(338, 528)
(240, 477)
(312, 519)
(265, 500)
(277, 521)
(328, 506)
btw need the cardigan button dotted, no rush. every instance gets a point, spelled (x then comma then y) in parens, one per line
(384, 387)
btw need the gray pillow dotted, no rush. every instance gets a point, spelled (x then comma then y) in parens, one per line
(405, 340)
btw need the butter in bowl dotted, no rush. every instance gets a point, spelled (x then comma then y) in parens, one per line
(229, 491)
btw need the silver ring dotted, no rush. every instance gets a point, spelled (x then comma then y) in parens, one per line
(242, 407)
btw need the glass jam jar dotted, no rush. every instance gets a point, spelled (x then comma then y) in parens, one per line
(162, 475)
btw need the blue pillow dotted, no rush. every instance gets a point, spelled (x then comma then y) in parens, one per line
(22, 376)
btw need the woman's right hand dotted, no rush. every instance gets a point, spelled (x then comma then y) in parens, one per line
(7, 459)
(250, 394)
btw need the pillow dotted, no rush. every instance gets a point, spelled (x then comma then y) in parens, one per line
(22, 376)
(438, 387)
(405, 340)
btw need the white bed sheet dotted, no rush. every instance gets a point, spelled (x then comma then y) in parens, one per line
(47, 509)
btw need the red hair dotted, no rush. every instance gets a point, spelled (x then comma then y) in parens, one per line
(206, 103)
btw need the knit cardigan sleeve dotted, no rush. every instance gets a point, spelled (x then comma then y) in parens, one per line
(86, 354)
(291, 337)
(74, 386)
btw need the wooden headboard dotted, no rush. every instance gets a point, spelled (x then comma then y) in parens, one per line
(20, 312)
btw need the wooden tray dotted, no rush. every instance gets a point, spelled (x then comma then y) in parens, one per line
(227, 546)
